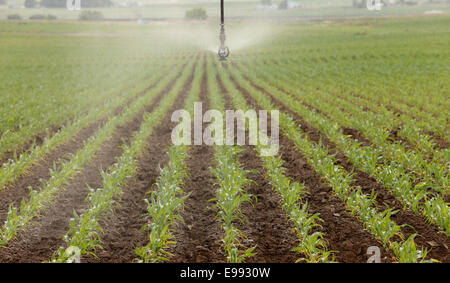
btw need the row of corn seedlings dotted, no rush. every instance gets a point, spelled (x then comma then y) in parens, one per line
(167, 198)
(83, 236)
(433, 173)
(404, 185)
(312, 243)
(358, 203)
(18, 218)
(164, 207)
(18, 166)
(232, 182)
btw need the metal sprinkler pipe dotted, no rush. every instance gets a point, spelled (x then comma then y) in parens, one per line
(223, 50)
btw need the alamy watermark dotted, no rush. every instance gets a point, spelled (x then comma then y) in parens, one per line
(374, 254)
(373, 5)
(73, 5)
(236, 123)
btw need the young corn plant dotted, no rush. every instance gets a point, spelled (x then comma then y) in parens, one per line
(164, 207)
(232, 181)
(230, 195)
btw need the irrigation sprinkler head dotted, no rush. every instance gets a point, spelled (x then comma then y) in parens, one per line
(223, 50)
(223, 53)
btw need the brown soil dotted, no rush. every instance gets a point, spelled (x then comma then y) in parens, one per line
(441, 143)
(268, 226)
(40, 240)
(198, 237)
(122, 230)
(430, 237)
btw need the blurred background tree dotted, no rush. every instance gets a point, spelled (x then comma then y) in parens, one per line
(196, 14)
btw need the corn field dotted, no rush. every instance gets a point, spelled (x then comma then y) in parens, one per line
(89, 172)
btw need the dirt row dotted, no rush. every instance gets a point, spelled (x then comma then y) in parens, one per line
(429, 235)
(37, 139)
(198, 237)
(38, 242)
(357, 135)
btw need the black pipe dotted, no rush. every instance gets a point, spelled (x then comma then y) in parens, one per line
(222, 17)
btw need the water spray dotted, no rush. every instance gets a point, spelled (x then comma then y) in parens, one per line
(223, 50)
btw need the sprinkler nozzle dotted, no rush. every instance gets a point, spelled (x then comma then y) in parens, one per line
(223, 50)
